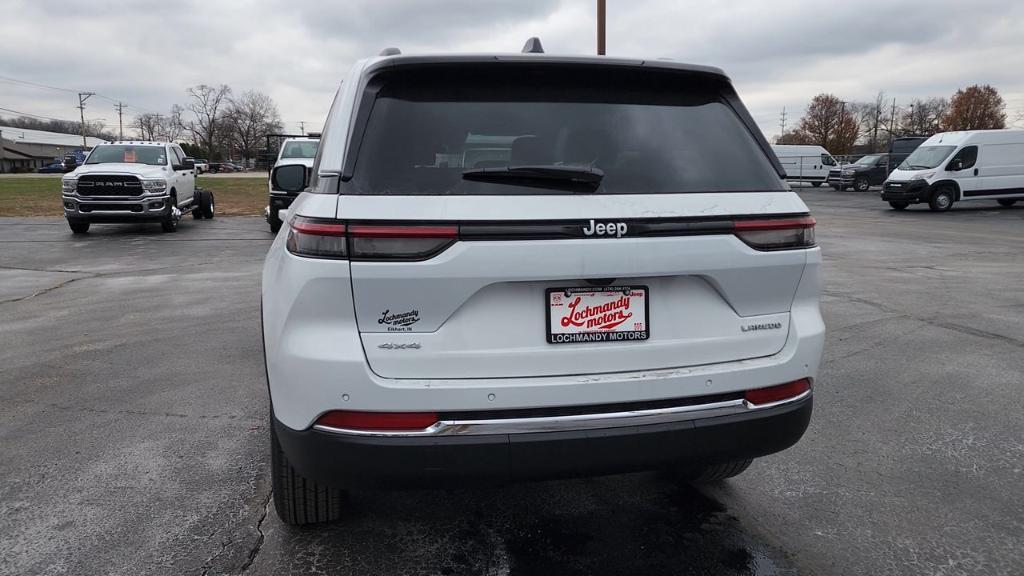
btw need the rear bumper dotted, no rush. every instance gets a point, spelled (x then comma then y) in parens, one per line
(383, 461)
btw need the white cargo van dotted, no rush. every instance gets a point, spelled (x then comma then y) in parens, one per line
(804, 163)
(954, 166)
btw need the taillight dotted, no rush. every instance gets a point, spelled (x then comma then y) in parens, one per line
(322, 238)
(776, 233)
(777, 393)
(381, 242)
(377, 420)
(317, 238)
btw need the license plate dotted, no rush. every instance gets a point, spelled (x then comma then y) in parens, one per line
(597, 314)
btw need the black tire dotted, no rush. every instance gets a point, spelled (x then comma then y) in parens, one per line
(837, 187)
(861, 184)
(197, 213)
(274, 221)
(713, 472)
(206, 204)
(298, 500)
(78, 226)
(899, 205)
(816, 184)
(942, 200)
(1007, 202)
(170, 223)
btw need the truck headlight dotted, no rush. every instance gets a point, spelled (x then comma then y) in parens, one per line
(154, 185)
(68, 186)
(848, 172)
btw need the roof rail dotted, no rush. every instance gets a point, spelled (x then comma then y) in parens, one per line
(533, 46)
(390, 51)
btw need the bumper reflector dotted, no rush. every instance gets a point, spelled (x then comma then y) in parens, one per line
(778, 393)
(377, 420)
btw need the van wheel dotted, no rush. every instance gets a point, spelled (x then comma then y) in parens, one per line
(298, 500)
(899, 205)
(1007, 202)
(78, 227)
(861, 184)
(942, 200)
(816, 184)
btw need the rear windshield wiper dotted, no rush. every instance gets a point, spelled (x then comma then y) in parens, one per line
(580, 178)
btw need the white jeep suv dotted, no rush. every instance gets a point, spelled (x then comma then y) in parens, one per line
(527, 266)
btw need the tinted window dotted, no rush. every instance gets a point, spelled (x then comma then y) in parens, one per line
(828, 160)
(648, 133)
(904, 146)
(968, 155)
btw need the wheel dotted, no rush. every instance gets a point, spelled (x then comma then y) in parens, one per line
(1007, 202)
(206, 204)
(837, 187)
(861, 184)
(170, 222)
(197, 213)
(816, 184)
(942, 200)
(899, 205)
(298, 500)
(711, 473)
(275, 221)
(78, 226)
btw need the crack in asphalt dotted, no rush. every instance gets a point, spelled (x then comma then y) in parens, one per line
(93, 275)
(931, 322)
(209, 561)
(147, 413)
(255, 550)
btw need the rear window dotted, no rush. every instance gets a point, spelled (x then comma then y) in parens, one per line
(906, 146)
(647, 132)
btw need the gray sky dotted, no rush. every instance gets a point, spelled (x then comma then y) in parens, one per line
(779, 53)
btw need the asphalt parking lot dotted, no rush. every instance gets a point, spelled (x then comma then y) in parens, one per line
(133, 424)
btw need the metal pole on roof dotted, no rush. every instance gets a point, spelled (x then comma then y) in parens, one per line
(601, 18)
(82, 97)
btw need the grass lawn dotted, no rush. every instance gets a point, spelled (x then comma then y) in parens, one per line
(40, 196)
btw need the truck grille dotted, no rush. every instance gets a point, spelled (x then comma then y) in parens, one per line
(99, 185)
(109, 207)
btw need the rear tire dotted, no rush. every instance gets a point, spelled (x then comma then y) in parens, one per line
(713, 472)
(942, 200)
(1007, 202)
(78, 227)
(899, 205)
(298, 500)
(206, 204)
(861, 184)
(274, 221)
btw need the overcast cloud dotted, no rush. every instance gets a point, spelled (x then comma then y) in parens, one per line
(779, 53)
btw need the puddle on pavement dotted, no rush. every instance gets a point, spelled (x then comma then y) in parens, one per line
(635, 524)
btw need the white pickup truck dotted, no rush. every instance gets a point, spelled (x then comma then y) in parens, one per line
(127, 182)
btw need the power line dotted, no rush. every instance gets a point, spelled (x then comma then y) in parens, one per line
(36, 115)
(35, 84)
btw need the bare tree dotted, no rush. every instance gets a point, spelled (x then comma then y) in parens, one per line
(248, 120)
(875, 118)
(829, 123)
(924, 117)
(794, 137)
(207, 105)
(148, 126)
(975, 108)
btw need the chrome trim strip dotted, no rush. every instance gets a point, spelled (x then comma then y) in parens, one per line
(572, 422)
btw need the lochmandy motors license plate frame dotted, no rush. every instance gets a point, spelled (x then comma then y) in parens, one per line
(610, 310)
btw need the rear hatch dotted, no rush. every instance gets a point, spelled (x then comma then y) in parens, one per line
(530, 221)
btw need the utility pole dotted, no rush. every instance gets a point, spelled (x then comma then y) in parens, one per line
(1, 151)
(120, 120)
(782, 123)
(82, 97)
(302, 127)
(601, 18)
